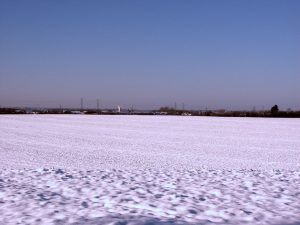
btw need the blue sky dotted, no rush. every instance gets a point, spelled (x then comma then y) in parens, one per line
(215, 54)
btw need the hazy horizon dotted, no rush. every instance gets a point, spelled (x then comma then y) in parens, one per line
(215, 54)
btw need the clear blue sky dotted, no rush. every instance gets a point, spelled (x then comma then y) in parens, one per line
(219, 54)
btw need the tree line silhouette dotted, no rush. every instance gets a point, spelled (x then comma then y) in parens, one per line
(273, 112)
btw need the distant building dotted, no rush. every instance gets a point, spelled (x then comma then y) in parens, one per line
(77, 112)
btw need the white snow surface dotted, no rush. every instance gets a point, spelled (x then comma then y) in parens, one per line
(102, 142)
(76, 169)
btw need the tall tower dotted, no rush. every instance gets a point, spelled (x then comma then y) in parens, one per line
(98, 105)
(81, 104)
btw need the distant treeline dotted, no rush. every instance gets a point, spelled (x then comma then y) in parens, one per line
(70, 111)
(273, 112)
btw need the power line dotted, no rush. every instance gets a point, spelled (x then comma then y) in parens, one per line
(98, 105)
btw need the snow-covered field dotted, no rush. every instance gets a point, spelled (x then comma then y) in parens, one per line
(75, 169)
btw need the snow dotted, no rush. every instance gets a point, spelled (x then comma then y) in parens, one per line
(77, 169)
(103, 142)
